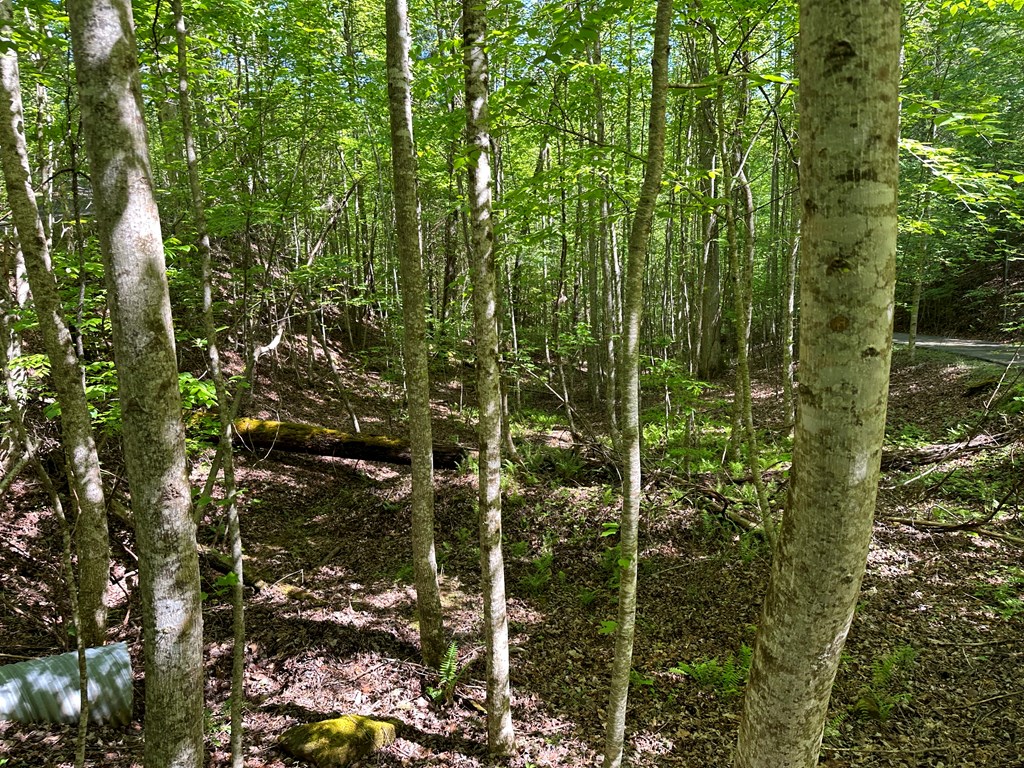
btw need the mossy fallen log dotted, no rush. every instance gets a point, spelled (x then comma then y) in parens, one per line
(292, 437)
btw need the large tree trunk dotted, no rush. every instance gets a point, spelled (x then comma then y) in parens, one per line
(707, 357)
(849, 70)
(417, 375)
(103, 42)
(630, 376)
(76, 426)
(500, 733)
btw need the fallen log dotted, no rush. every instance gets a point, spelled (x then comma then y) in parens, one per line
(259, 435)
(904, 458)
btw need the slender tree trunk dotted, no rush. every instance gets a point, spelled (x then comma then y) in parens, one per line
(849, 74)
(709, 358)
(915, 311)
(500, 733)
(76, 426)
(593, 310)
(103, 43)
(213, 361)
(630, 376)
(609, 259)
(789, 324)
(27, 446)
(12, 265)
(736, 188)
(743, 278)
(417, 375)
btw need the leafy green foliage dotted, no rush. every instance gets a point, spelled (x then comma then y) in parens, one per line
(638, 679)
(222, 585)
(537, 580)
(559, 466)
(725, 677)
(608, 627)
(518, 549)
(833, 726)
(610, 559)
(405, 574)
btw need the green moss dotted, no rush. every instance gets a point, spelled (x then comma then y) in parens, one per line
(339, 742)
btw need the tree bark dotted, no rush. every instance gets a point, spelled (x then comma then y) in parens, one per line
(630, 378)
(500, 732)
(849, 71)
(91, 537)
(789, 325)
(103, 43)
(417, 375)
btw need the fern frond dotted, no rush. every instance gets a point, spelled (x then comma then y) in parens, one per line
(450, 665)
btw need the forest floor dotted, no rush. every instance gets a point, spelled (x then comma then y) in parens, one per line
(930, 675)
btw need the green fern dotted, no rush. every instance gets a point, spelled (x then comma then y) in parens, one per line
(833, 726)
(450, 663)
(888, 688)
(892, 667)
(538, 580)
(448, 676)
(727, 677)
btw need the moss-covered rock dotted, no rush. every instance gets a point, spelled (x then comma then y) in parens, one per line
(339, 742)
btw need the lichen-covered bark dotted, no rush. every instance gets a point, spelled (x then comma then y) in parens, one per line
(91, 539)
(500, 733)
(630, 376)
(848, 129)
(417, 375)
(103, 43)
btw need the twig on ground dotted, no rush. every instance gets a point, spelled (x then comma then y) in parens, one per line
(972, 644)
(999, 697)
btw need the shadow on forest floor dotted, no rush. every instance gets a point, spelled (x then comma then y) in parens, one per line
(929, 676)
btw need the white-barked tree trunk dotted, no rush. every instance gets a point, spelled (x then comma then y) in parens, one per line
(849, 74)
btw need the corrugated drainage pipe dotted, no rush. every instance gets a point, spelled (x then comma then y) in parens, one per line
(47, 691)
